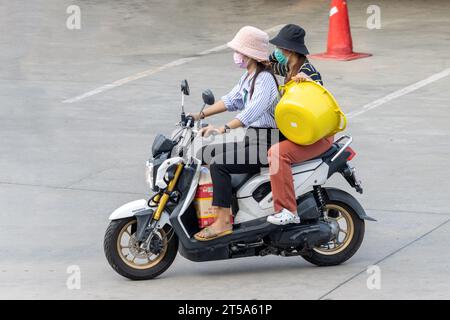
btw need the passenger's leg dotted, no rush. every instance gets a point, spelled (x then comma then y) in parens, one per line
(281, 158)
(281, 180)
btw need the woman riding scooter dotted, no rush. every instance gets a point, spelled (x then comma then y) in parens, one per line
(289, 60)
(256, 96)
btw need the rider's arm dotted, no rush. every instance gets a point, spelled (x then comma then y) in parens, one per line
(230, 102)
(233, 124)
(233, 100)
(216, 108)
(262, 100)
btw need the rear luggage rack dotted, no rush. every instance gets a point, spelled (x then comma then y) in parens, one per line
(342, 149)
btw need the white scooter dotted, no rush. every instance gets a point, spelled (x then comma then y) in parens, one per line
(144, 236)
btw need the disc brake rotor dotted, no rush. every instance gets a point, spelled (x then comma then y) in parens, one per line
(154, 247)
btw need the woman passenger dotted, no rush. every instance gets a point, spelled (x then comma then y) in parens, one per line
(289, 60)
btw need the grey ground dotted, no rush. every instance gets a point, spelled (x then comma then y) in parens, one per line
(65, 167)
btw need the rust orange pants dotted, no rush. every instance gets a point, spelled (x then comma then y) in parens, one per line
(281, 156)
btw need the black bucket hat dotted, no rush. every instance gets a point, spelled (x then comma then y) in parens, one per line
(291, 37)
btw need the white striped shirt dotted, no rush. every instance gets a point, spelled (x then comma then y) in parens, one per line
(257, 111)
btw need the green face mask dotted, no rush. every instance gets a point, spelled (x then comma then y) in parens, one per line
(281, 58)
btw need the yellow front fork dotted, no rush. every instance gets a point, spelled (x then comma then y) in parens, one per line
(162, 200)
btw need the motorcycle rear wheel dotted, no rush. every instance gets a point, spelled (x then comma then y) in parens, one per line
(350, 234)
(129, 260)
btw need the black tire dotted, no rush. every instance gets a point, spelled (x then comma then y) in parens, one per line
(324, 260)
(116, 262)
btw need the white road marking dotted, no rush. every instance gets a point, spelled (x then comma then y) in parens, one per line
(399, 93)
(152, 71)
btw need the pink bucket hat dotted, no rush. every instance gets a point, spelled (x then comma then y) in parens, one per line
(251, 42)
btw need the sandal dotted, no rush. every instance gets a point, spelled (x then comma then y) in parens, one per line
(207, 234)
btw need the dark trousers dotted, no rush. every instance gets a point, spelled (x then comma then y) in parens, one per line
(246, 157)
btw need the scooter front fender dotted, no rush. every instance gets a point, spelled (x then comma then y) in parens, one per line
(133, 208)
(129, 209)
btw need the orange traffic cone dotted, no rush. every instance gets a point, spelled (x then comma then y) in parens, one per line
(339, 45)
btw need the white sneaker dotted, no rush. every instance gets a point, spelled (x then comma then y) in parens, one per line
(283, 217)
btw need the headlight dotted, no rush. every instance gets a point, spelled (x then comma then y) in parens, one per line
(149, 174)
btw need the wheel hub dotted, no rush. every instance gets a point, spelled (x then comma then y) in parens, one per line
(136, 250)
(341, 234)
(334, 226)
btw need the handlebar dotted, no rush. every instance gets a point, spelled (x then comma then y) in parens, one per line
(190, 121)
(187, 121)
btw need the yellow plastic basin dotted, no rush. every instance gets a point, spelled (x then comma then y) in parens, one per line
(307, 112)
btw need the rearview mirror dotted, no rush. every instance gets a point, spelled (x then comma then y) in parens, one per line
(185, 87)
(208, 97)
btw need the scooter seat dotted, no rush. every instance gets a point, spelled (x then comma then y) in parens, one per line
(330, 152)
(238, 179)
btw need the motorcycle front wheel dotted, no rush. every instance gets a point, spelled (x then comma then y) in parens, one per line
(348, 229)
(132, 260)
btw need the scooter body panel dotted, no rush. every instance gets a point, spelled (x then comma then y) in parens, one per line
(251, 231)
(306, 169)
(183, 220)
(251, 240)
(306, 175)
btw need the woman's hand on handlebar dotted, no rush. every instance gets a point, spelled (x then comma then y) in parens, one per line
(209, 130)
(196, 115)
